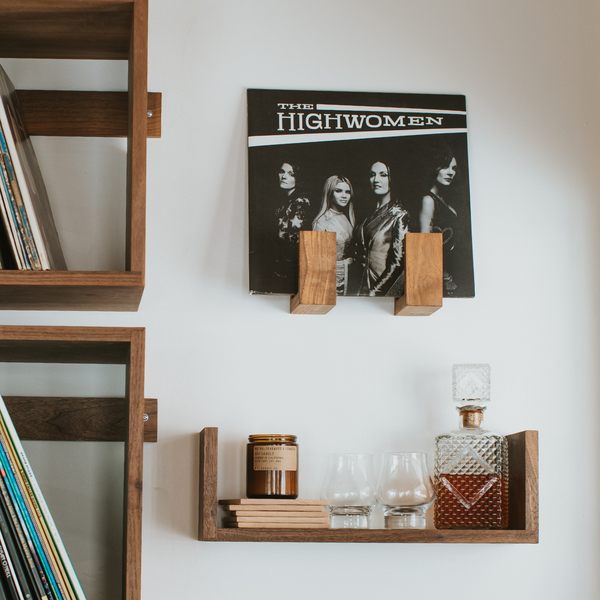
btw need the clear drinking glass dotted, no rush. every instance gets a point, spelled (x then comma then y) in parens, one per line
(350, 488)
(404, 490)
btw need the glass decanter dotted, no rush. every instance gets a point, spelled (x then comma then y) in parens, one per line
(471, 464)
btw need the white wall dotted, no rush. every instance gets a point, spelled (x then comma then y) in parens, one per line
(357, 379)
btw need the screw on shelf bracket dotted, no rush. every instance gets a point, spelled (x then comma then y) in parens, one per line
(146, 417)
(149, 113)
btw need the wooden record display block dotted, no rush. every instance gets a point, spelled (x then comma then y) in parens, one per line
(317, 270)
(424, 271)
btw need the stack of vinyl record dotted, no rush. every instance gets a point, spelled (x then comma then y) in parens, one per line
(28, 235)
(275, 514)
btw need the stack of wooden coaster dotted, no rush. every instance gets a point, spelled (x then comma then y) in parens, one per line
(275, 514)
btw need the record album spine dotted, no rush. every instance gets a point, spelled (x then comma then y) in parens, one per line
(38, 501)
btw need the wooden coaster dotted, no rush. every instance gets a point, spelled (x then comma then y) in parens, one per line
(270, 507)
(273, 501)
(313, 514)
(277, 525)
(276, 520)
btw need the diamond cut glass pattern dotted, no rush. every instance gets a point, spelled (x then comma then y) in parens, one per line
(471, 481)
(471, 464)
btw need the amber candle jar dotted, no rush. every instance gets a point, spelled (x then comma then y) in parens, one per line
(272, 466)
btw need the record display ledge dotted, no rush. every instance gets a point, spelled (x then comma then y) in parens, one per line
(522, 508)
(424, 275)
(98, 30)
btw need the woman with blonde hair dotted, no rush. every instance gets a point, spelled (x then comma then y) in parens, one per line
(337, 215)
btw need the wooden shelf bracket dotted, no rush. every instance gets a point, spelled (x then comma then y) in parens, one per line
(317, 274)
(424, 275)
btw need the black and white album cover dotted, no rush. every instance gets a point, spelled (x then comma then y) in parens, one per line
(369, 167)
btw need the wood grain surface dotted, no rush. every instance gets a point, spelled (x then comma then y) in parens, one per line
(207, 517)
(71, 290)
(317, 269)
(134, 469)
(269, 508)
(379, 536)
(523, 481)
(238, 512)
(135, 250)
(280, 503)
(65, 29)
(77, 419)
(229, 524)
(84, 114)
(424, 275)
(78, 345)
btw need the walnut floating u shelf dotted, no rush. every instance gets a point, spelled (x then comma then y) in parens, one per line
(522, 508)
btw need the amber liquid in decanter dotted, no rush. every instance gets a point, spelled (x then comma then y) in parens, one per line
(471, 501)
(471, 476)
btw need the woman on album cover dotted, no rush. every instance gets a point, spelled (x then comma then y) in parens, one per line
(437, 215)
(381, 238)
(291, 217)
(337, 215)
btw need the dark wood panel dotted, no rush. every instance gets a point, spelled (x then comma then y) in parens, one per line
(59, 298)
(77, 419)
(523, 480)
(134, 455)
(137, 133)
(84, 114)
(79, 345)
(71, 290)
(207, 517)
(96, 29)
(41, 351)
(379, 536)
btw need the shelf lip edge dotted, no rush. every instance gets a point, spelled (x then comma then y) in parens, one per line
(68, 333)
(72, 278)
(431, 536)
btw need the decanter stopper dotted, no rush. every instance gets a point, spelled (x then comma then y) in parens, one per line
(471, 385)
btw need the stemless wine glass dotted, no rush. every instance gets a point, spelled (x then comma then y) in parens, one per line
(350, 488)
(404, 490)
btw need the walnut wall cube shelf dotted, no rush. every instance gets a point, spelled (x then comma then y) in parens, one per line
(523, 508)
(130, 419)
(102, 30)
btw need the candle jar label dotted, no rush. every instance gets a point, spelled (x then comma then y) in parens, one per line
(275, 458)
